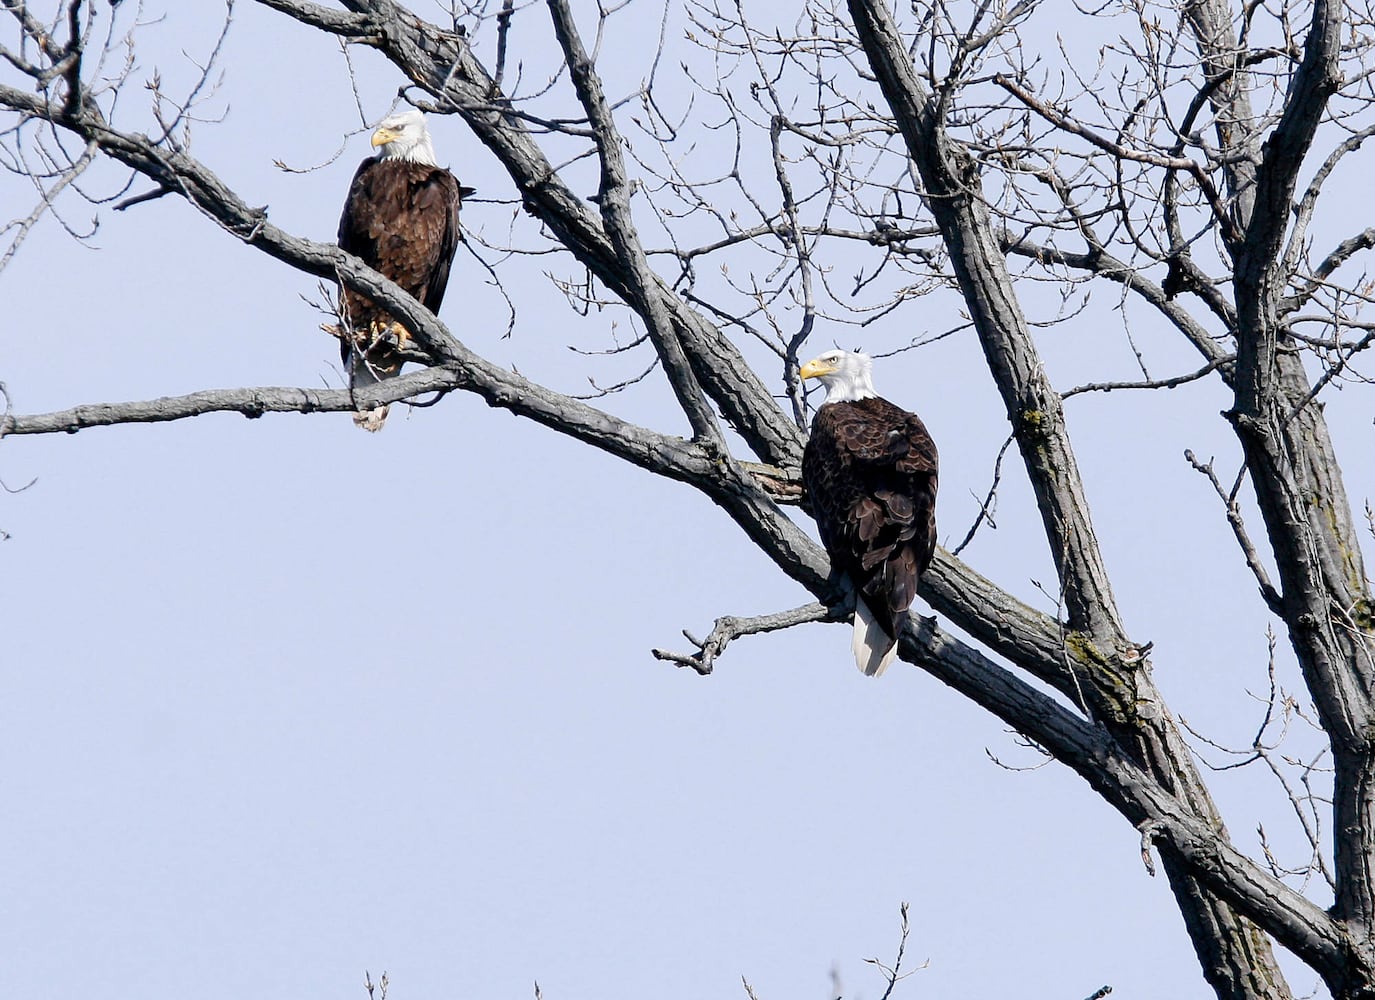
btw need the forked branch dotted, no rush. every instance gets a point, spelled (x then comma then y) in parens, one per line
(727, 629)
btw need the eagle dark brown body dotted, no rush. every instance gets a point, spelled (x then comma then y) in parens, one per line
(401, 218)
(870, 470)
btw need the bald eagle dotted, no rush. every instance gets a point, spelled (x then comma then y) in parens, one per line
(401, 218)
(870, 473)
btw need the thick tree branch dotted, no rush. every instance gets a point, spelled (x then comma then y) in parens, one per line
(614, 191)
(1327, 602)
(1033, 407)
(1259, 283)
(659, 453)
(345, 25)
(1299, 924)
(251, 402)
(1227, 89)
(1295, 921)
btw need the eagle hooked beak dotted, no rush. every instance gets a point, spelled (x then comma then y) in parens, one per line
(383, 136)
(815, 368)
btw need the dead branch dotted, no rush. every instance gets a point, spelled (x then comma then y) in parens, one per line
(728, 629)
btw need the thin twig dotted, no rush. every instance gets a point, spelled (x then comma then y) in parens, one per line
(1248, 549)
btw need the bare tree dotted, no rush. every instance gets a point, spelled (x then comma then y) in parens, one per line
(1175, 163)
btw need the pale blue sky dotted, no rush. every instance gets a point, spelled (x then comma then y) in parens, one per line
(282, 701)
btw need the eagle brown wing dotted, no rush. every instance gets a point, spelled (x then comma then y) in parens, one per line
(401, 219)
(871, 473)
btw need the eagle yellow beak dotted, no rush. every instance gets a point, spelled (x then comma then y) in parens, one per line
(814, 368)
(383, 136)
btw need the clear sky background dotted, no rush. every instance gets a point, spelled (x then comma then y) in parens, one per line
(281, 701)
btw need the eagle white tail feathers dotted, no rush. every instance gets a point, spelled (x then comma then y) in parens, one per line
(874, 649)
(371, 420)
(361, 375)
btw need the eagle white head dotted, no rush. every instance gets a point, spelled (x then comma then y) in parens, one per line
(403, 136)
(847, 375)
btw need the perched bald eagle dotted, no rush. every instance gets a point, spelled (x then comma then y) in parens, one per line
(401, 218)
(870, 473)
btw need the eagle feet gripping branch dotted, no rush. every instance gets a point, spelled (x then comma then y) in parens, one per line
(401, 219)
(870, 473)
(381, 333)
